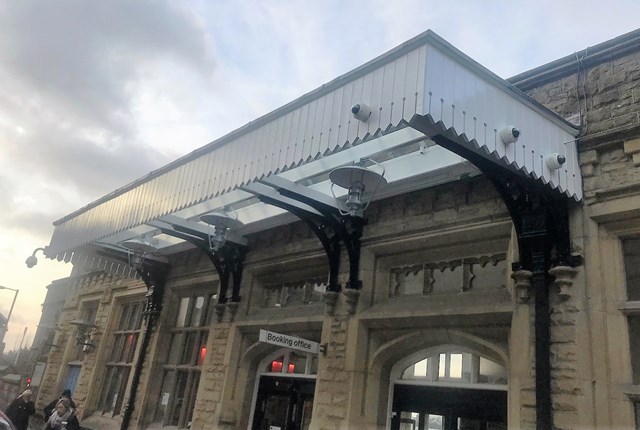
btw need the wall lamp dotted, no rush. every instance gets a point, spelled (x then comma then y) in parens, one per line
(32, 260)
(222, 224)
(84, 330)
(141, 248)
(358, 180)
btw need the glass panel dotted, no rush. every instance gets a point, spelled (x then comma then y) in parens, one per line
(182, 312)
(180, 386)
(634, 343)
(196, 314)
(116, 352)
(123, 375)
(434, 422)
(297, 363)
(132, 324)
(202, 349)
(420, 368)
(165, 393)
(455, 366)
(188, 348)
(442, 366)
(631, 250)
(175, 348)
(137, 319)
(491, 372)
(126, 313)
(409, 420)
(276, 411)
(276, 365)
(130, 347)
(195, 380)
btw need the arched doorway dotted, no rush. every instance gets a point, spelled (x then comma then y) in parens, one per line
(283, 396)
(448, 388)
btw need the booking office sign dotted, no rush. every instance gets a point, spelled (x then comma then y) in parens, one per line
(291, 342)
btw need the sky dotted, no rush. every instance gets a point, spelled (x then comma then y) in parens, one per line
(94, 95)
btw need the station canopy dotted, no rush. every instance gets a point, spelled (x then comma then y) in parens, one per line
(423, 79)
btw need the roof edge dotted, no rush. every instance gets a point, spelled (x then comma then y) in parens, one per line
(590, 56)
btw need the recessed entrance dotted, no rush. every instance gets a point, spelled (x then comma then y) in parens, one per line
(448, 388)
(284, 391)
(284, 403)
(447, 408)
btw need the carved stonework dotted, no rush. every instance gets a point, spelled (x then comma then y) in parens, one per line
(219, 309)
(564, 279)
(352, 297)
(233, 309)
(330, 298)
(523, 285)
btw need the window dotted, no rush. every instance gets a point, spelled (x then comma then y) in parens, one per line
(120, 361)
(88, 315)
(631, 251)
(456, 367)
(294, 362)
(185, 356)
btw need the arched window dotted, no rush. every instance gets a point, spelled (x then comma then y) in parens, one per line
(447, 387)
(455, 367)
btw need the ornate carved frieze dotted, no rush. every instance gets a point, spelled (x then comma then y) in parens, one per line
(451, 276)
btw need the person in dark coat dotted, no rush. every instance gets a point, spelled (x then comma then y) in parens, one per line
(63, 417)
(48, 410)
(20, 409)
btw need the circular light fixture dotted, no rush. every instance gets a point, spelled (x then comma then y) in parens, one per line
(357, 179)
(222, 224)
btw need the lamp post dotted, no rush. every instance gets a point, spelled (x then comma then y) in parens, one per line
(6, 325)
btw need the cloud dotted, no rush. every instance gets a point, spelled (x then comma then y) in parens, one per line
(71, 80)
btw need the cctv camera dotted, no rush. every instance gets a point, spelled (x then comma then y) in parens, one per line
(509, 134)
(555, 161)
(31, 261)
(361, 112)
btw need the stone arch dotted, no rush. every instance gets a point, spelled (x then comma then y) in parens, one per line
(418, 342)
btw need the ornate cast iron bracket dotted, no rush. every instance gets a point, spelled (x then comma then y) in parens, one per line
(228, 261)
(541, 219)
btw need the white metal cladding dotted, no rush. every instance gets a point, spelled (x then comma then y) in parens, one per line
(473, 106)
(423, 76)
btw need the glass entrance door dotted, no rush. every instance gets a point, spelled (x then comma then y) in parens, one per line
(442, 408)
(283, 403)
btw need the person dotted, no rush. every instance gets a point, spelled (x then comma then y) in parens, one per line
(20, 409)
(48, 410)
(63, 417)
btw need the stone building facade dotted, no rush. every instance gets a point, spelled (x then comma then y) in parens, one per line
(441, 334)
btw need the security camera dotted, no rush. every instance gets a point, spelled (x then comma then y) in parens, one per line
(509, 134)
(361, 112)
(31, 261)
(555, 161)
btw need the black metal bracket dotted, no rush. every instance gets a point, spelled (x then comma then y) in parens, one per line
(228, 261)
(541, 219)
(330, 226)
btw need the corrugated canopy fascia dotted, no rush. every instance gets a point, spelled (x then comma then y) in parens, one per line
(314, 126)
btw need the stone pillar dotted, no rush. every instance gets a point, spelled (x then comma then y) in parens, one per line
(333, 381)
(522, 384)
(208, 412)
(565, 387)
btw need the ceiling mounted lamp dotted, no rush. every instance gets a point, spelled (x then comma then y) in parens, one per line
(141, 248)
(361, 183)
(222, 224)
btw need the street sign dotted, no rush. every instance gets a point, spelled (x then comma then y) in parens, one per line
(291, 342)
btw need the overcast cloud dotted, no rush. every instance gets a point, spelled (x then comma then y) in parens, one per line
(94, 94)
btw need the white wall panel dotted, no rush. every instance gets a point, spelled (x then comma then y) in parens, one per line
(422, 77)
